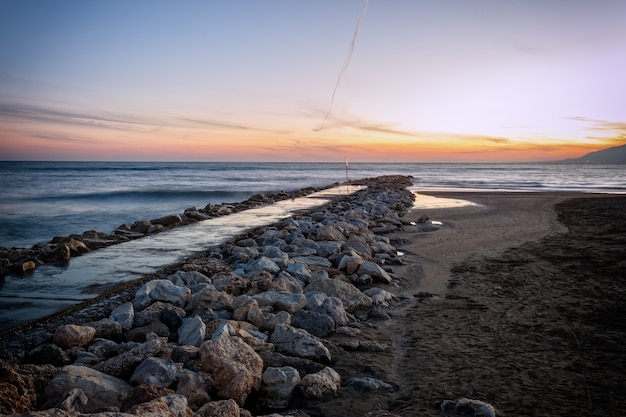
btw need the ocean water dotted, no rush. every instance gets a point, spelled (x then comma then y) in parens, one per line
(40, 200)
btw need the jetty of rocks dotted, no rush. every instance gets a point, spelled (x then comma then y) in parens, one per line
(237, 330)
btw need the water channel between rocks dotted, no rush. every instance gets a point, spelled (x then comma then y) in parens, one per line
(50, 288)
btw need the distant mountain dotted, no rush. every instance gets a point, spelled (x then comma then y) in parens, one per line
(614, 155)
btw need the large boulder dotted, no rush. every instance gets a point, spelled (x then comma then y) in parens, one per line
(156, 371)
(375, 271)
(281, 300)
(314, 322)
(72, 335)
(350, 296)
(319, 384)
(278, 386)
(101, 390)
(234, 367)
(192, 331)
(299, 343)
(124, 314)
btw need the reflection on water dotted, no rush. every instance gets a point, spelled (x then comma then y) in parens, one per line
(50, 288)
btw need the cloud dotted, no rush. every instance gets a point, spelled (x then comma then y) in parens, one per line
(61, 138)
(34, 113)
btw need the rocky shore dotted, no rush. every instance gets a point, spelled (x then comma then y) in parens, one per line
(237, 330)
(62, 248)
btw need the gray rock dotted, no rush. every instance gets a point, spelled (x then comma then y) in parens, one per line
(101, 390)
(316, 323)
(367, 384)
(300, 343)
(466, 407)
(75, 402)
(359, 245)
(278, 386)
(351, 262)
(351, 297)
(299, 271)
(319, 384)
(380, 296)
(263, 264)
(156, 371)
(167, 220)
(281, 300)
(192, 331)
(375, 271)
(333, 307)
(328, 248)
(188, 278)
(103, 348)
(107, 329)
(124, 314)
(123, 364)
(170, 294)
(313, 260)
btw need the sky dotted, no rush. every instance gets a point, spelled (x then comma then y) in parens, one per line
(316, 80)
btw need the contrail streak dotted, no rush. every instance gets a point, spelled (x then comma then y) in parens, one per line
(347, 60)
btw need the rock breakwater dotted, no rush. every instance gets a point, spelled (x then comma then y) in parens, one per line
(234, 331)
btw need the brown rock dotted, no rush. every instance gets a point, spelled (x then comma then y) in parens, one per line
(226, 408)
(71, 335)
(235, 367)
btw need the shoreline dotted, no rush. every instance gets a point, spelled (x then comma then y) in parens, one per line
(400, 340)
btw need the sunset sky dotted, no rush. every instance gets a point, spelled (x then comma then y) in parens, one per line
(427, 81)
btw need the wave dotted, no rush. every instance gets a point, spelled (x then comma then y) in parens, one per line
(156, 195)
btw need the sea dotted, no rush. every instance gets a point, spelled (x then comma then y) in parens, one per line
(41, 200)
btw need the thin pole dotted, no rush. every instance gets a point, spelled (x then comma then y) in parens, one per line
(347, 178)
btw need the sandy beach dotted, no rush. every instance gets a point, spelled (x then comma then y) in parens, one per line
(505, 304)
(515, 299)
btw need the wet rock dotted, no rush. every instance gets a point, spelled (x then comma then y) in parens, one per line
(375, 271)
(467, 407)
(124, 314)
(102, 390)
(320, 384)
(278, 386)
(192, 331)
(70, 335)
(156, 371)
(234, 367)
(167, 220)
(300, 343)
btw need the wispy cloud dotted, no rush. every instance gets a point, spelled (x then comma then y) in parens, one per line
(61, 138)
(33, 113)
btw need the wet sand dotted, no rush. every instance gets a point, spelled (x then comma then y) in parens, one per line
(504, 304)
